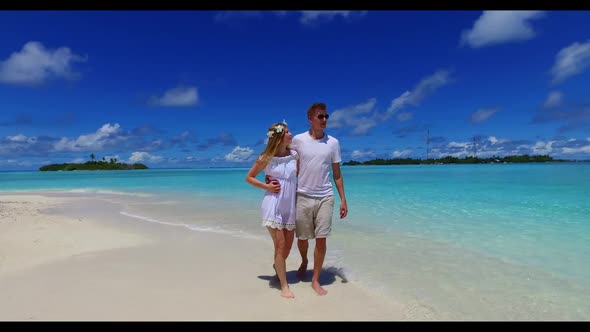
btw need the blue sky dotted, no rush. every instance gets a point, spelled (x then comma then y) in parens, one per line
(200, 88)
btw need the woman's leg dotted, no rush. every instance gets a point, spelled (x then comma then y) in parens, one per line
(280, 242)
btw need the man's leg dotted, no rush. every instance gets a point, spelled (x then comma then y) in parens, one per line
(319, 254)
(302, 245)
(304, 229)
(322, 231)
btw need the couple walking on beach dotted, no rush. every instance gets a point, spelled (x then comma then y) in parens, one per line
(299, 199)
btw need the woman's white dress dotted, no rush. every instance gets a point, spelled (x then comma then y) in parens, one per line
(278, 209)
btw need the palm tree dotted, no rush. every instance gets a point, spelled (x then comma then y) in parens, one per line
(92, 156)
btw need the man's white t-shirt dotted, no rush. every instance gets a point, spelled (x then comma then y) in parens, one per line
(315, 162)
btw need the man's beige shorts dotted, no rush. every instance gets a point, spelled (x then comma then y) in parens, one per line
(314, 216)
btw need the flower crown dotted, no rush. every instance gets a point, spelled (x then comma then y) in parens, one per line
(276, 129)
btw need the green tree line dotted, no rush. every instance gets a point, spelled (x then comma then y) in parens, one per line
(93, 165)
(454, 160)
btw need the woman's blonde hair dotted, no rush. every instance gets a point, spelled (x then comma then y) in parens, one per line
(275, 134)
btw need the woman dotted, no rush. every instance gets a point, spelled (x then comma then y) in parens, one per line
(278, 203)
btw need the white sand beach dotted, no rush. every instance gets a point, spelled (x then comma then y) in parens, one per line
(79, 266)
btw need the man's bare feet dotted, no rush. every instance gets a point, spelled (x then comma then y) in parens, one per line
(287, 293)
(318, 289)
(302, 269)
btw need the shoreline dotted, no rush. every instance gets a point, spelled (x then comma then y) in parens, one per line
(143, 248)
(59, 266)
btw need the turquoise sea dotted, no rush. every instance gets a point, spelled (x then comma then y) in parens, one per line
(475, 242)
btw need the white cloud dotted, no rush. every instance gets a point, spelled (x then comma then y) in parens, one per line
(311, 17)
(405, 116)
(494, 140)
(464, 149)
(307, 17)
(155, 144)
(554, 100)
(239, 154)
(347, 116)
(14, 145)
(362, 154)
(424, 88)
(482, 115)
(185, 134)
(435, 153)
(497, 27)
(458, 145)
(362, 117)
(139, 156)
(34, 64)
(399, 102)
(106, 135)
(363, 126)
(180, 97)
(582, 149)
(20, 138)
(17, 163)
(542, 148)
(78, 161)
(493, 146)
(401, 154)
(571, 61)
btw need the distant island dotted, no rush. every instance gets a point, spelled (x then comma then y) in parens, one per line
(92, 165)
(454, 160)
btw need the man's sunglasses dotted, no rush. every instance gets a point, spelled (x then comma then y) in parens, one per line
(322, 116)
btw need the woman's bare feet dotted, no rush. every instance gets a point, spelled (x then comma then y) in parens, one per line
(318, 289)
(287, 293)
(302, 269)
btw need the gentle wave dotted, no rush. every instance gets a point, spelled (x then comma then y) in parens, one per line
(235, 233)
(107, 192)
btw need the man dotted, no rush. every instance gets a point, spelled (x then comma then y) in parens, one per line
(318, 152)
